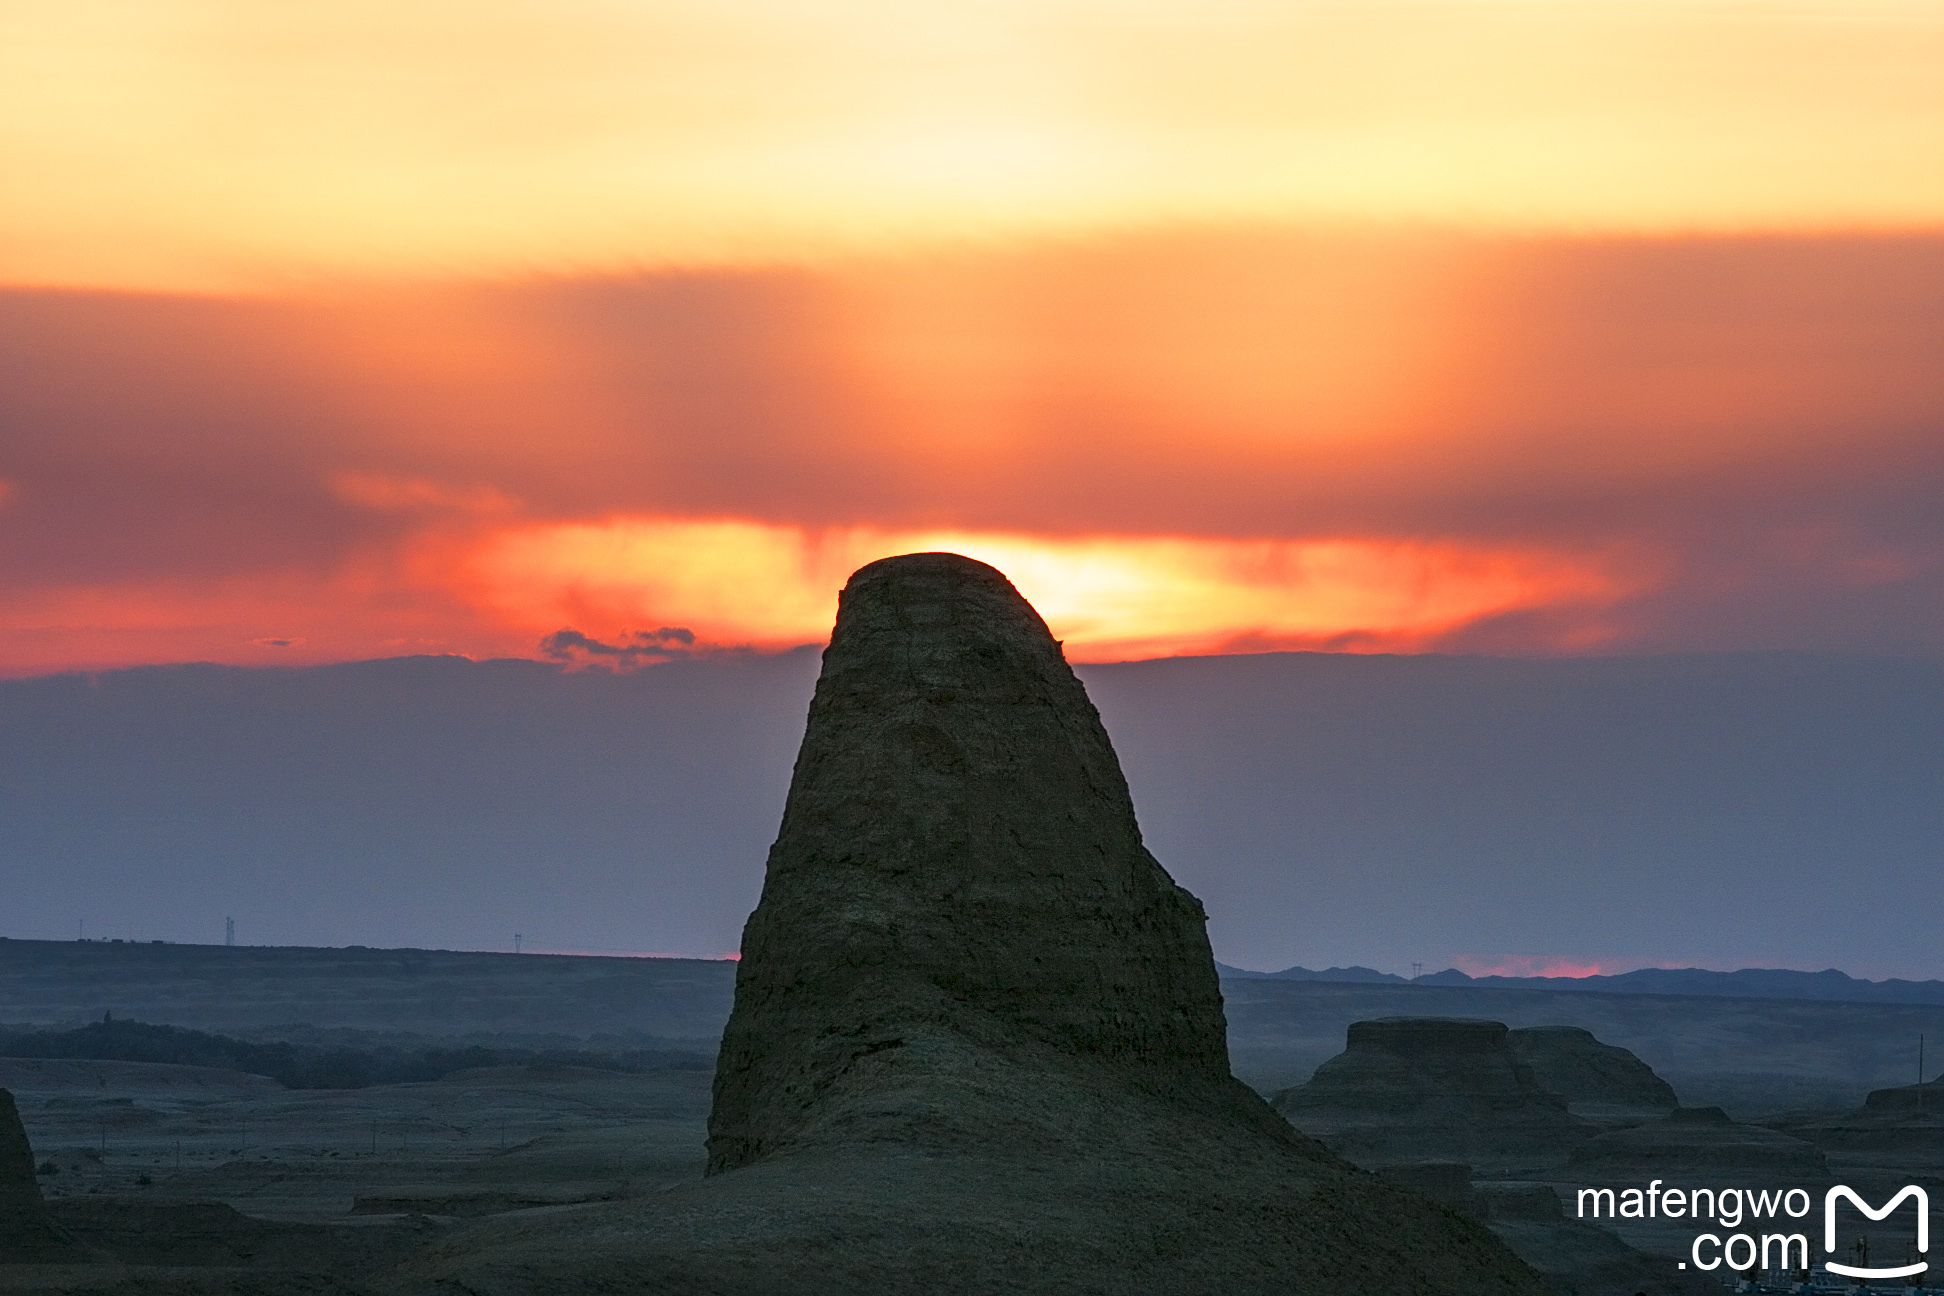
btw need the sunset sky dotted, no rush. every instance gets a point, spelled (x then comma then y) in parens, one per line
(1552, 327)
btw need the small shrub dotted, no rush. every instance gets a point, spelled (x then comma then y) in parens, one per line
(48, 1168)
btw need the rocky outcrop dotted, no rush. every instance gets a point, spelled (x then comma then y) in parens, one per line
(1926, 1097)
(1432, 1089)
(26, 1236)
(1697, 1140)
(1901, 1127)
(958, 861)
(1599, 1078)
(978, 1043)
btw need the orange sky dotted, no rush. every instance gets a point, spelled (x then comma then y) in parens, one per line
(197, 144)
(1534, 326)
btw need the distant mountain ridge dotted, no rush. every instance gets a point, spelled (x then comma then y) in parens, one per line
(1357, 973)
(1747, 983)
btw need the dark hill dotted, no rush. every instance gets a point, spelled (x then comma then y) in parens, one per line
(1748, 983)
(305, 1066)
(1415, 1089)
(1576, 1065)
(434, 992)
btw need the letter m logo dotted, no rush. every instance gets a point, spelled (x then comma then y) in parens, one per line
(1923, 1229)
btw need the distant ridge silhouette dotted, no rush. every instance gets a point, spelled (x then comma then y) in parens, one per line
(1358, 973)
(1747, 983)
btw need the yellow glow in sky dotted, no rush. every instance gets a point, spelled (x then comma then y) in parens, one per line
(222, 144)
(1107, 597)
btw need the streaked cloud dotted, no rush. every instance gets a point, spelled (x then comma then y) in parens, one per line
(1178, 442)
(413, 494)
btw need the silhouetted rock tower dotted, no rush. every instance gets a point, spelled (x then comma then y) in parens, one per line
(25, 1235)
(958, 864)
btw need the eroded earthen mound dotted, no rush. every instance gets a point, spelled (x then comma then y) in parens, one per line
(26, 1237)
(978, 1042)
(1902, 1126)
(1573, 1063)
(1699, 1140)
(1432, 1089)
(1928, 1096)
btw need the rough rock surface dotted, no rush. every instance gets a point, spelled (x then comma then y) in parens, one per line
(26, 1237)
(1432, 1089)
(978, 1041)
(1699, 1140)
(1928, 1096)
(1448, 1183)
(958, 858)
(1572, 1063)
(1902, 1127)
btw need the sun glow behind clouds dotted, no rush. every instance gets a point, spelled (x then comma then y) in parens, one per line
(491, 588)
(1235, 440)
(1107, 597)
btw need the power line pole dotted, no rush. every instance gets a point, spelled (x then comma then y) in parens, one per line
(229, 931)
(516, 942)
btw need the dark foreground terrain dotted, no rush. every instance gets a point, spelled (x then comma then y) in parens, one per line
(170, 1174)
(1752, 1056)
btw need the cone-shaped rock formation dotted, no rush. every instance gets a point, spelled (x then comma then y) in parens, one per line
(25, 1235)
(978, 1043)
(959, 861)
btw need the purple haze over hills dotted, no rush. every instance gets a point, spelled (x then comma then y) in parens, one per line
(1735, 810)
(1744, 983)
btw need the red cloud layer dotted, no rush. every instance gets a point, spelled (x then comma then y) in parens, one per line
(1673, 444)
